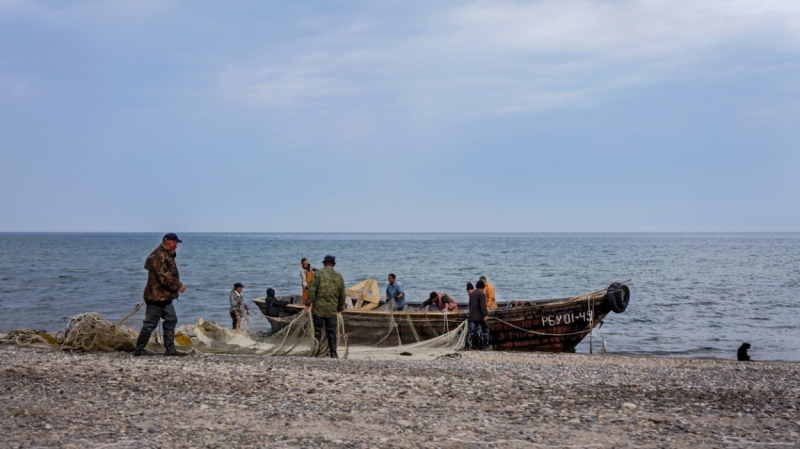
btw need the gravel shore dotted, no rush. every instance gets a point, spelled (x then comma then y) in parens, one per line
(476, 399)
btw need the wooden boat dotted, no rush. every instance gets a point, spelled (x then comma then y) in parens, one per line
(554, 325)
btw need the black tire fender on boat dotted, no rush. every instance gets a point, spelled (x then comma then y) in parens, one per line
(617, 297)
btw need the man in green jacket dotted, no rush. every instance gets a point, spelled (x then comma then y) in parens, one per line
(163, 286)
(325, 300)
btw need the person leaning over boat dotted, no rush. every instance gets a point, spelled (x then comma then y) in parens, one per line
(491, 300)
(306, 273)
(325, 300)
(238, 307)
(271, 303)
(478, 317)
(163, 286)
(394, 291)
(441, 300)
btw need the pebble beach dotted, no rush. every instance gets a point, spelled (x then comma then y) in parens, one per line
(470, 399)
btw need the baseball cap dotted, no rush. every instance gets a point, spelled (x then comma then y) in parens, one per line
(172, 236)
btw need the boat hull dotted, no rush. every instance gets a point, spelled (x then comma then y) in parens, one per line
(552, 325)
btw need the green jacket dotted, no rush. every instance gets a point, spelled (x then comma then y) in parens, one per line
(163, 280)
(326, 293)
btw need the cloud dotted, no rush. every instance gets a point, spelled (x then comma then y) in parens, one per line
(87, 13)
(16, 86)
(496, 58)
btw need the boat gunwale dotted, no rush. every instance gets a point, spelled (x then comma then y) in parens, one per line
(540, 304)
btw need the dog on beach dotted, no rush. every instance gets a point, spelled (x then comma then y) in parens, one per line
(741, 354)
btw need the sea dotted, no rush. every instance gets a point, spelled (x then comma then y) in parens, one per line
(693, 295)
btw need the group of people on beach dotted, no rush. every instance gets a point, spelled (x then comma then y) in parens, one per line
(395, 292)
(481, 297)
(323, 295)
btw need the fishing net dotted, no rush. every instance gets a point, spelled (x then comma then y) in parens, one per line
(28, 337)
(90, 332)
(86, 332)
(382, 332)
(443, 345)
(297, 339)
(382, 340)
(386, 326)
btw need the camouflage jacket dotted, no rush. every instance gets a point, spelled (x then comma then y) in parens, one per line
(163, 280)
(326, 293)
(237, 302)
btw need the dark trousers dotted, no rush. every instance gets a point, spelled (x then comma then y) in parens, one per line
(330, 324)
(236, 320)
(152, 314)
(478, 335)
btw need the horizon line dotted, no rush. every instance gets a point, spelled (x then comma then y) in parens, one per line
(405, 232)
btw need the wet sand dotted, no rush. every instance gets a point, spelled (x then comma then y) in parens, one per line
(480, 399)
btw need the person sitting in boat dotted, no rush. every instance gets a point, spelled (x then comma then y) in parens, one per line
(441, 300)
(271, 303)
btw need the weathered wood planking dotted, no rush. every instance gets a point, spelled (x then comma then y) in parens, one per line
(551, 325)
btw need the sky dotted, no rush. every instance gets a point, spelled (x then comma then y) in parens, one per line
(412, 116)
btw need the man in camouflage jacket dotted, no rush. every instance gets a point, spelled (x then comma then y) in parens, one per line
(325, 300)
(163, 286)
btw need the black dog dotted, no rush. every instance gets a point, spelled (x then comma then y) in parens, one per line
(741, 354)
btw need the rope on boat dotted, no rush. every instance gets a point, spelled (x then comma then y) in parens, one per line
(411, 326)
(283, 347)
(539, 333)
(341, 334)
(591, 321)
(591, 325)
(392, 325)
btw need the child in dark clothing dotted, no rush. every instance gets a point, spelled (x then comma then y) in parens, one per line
(271, 303)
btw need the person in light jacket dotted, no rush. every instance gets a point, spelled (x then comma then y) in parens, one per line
(238, 307)
(394, 291)
(306, 274)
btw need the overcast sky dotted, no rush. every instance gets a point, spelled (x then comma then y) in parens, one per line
(400, 116)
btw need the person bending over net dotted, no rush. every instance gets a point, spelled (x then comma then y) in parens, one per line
(441, 300)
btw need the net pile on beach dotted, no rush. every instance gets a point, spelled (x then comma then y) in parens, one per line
(85, 332)
(90, 332)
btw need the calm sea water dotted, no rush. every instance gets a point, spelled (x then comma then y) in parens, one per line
(693, 294)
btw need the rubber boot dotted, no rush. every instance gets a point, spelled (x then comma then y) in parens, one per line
(141, 342)
(169, 344)
(332, 345)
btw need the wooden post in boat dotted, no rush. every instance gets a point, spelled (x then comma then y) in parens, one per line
(366, 294)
